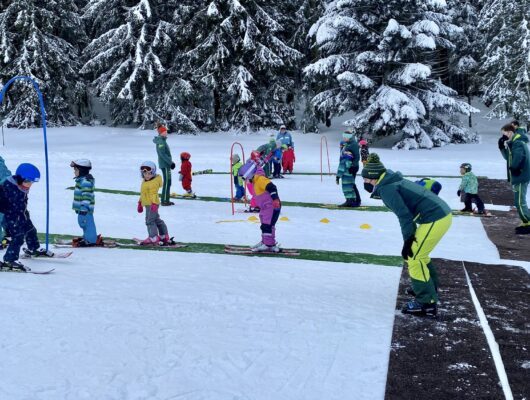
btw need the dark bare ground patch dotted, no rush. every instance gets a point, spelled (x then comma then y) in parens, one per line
(495, 191)
(501, 231)
(443, 358)
(504, 293)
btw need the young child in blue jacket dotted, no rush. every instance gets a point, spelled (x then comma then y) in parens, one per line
(83, 204)
(14, 205)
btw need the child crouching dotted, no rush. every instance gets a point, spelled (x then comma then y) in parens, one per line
(269, 204)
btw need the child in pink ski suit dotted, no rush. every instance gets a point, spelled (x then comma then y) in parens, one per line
(266, 196)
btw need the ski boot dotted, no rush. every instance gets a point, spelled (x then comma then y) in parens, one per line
(14, 266)
(262, 247)
(80, 242)
(154, 241)
(166, 240)
(189, 193)
(38, 253)
(523, 229)
(416, 308)
(349, 203)
(466, 210)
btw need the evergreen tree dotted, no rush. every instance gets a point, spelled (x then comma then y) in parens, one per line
(128, 59)
(241, 63)
(40, 39)
(379, 59)
(465, 57)
(505, 67)
(308, 12)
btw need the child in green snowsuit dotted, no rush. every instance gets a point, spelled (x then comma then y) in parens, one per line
(468, 190)
(347, 171)
(344, 172)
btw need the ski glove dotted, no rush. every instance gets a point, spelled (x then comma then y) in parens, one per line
(172, 165)
(516, 171)
(353, 170)
(276, 204)
(337, 179)
(406, 251)
(140, 208)
(502, 141)
(154, 207)
(459, 192)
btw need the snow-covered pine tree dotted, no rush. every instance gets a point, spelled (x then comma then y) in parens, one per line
(505, 66)
(240, 58)
(127, 61)
(307, 13)
(378, 58)
(40, 38)
(465, 57)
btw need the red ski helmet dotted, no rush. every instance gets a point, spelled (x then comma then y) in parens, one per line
(185, 155)
(255, 155)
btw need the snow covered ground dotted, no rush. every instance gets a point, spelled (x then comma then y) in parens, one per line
(125, 324)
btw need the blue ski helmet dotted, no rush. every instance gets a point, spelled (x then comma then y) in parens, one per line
(28, 172)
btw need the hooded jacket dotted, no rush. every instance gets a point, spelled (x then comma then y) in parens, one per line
(411, 203)
(517, 159)
(164, 154)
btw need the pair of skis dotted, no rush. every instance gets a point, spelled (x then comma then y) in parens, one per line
(232, 249)
(63, 243)
(25, 256)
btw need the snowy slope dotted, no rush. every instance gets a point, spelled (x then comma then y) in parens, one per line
(119, 324)
(166, 326)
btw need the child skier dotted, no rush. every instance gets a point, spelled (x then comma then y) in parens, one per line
(185, 174)
(83, 204)
(344, 173)
(151, 183)
(277, 160)
(430, 184)
(4, 174)
(348, 168)
(13, 204)
(238, 181)
(365, 151)
(267, 199)
(288, 159)
(468, 190)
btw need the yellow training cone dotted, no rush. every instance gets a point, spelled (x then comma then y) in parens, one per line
(284, 219)
(324, 221)
(253, 218)
(366, 226)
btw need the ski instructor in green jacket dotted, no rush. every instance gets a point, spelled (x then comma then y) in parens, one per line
(424, 220)
(513, 145)
(165, 162)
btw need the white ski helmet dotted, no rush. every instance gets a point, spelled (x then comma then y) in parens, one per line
(82, 162)
(149, 165)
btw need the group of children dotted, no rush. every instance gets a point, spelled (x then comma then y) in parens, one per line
(280, 152)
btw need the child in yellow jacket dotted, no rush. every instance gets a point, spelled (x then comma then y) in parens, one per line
(156, 228)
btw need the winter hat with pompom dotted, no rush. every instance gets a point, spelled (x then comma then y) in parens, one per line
(374, 168)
